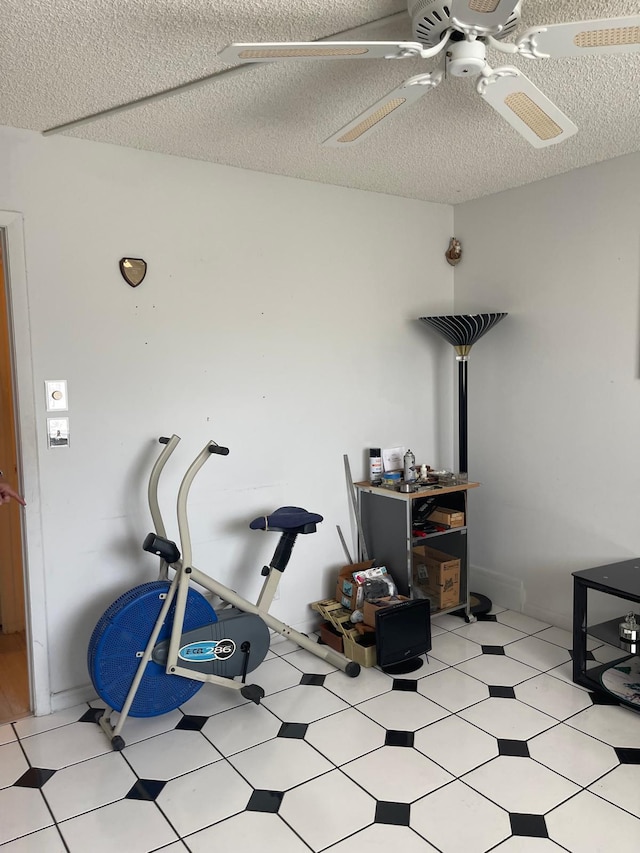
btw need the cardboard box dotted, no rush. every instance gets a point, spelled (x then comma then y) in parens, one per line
(365, 655)
(436, 575)
(370, 607)
(349, 593)
(450, 517)
(331, 637)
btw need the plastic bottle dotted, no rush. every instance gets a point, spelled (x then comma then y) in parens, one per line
(409, 462)
(375, 465)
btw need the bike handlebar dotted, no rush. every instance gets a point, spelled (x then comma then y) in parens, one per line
(216, 448)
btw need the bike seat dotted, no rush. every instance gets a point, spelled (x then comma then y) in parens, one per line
(288, 519)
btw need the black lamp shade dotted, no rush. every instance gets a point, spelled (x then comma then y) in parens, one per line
(463, 330)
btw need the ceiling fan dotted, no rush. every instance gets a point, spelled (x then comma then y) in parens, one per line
(461, 30)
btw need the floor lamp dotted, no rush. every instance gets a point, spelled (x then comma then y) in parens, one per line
(462, 331)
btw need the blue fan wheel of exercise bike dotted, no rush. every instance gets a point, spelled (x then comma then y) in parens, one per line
(123, 631)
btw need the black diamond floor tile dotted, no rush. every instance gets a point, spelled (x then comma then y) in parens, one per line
(518, 748)
(34, 777)
(487, 617)
(406, 684)
(395, 813)
(398, 738)
(627, 755)
(145, 789)
(293, 730)
(192, 723)
(533, 825)
(265, 801)
(92, 715)
(499, 692)
(492, 650)
(314, 680)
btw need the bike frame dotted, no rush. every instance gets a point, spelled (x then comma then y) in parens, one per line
(185, 573)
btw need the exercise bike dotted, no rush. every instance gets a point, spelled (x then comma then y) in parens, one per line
(157, 644)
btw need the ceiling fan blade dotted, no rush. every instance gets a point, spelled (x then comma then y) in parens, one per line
(274, 51)
(403, 96)
(608, 35)
(486, 14)
(525, 107)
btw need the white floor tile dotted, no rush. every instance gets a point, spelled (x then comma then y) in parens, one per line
(274, 675)
(452, 689)
(537, 653)
(406, 711)
(429, 666)
(281, 646)
(523, 844)
(397, 774)
(309, 663)
(563, 638)
(606, 653)
(448, 622)
(345, 736)
(211, 699)
(450, 648)
(587, 824)
(247, 832)
(621, 787)
(573, 754)
(564, 672)
(171, 754)
(43, 841)
(12, 764)
(327, 809)
(489, 633)
(140, 728)
(203, 797)
(88, 785)
(65, 745)
(280, 764)
(381, 838)
(241, 728)
(371, 682)
(520, 785)
(456, 745)
(507, 718)
(614, 725)
(23, 810)
(136, 826)
(35, 725)
(498, 670)
(456, 818)
(303, 704)
(521, 622)
(553, 696)
(7, 734)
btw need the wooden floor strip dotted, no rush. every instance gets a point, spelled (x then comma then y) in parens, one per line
(14, 677)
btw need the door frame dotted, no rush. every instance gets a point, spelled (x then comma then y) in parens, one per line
(12, 224)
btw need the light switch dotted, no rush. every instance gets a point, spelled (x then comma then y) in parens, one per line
(56, 395)
(58, 432)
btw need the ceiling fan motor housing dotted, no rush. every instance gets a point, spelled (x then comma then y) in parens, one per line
(431, 18)
(466, 58)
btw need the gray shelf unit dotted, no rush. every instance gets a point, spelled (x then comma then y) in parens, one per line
(386, 517)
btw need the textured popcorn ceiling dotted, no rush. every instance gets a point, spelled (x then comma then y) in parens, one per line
(63, 59)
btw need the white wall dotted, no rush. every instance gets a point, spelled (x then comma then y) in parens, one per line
(277, 317)
(554, 392)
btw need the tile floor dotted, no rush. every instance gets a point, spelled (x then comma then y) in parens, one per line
(490, 746)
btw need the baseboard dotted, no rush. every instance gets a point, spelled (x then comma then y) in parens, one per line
(74, 696)
(503, 590)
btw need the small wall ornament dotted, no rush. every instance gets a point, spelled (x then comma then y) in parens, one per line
(454, 252)
(133, 270)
